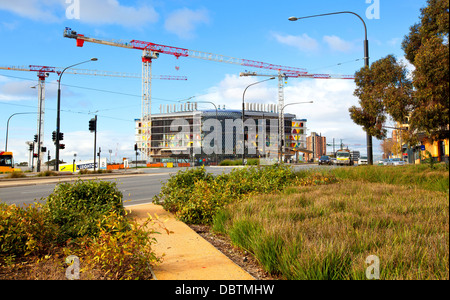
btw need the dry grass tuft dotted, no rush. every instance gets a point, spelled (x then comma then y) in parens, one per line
(327, 232)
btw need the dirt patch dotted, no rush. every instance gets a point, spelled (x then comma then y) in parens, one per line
(242, 258)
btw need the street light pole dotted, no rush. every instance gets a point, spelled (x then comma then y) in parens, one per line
(366, 64)
(217, 118)
(7, 126)
(282, 112)
(243, 116)
(58, 109)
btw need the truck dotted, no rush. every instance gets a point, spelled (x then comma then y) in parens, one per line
(343, 158)
(6, 162)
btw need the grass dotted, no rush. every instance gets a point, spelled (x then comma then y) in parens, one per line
(422, 176)
(16, 175)
(250, 162)
(326, 232)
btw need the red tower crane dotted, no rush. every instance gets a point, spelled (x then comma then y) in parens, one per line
(152, 51)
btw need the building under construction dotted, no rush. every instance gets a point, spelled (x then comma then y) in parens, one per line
(183, 133)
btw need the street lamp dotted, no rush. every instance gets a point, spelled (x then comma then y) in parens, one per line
(7, 126)
(217, 118)
(243, 116)
(282, 135)
(58, 117)
(366, 62)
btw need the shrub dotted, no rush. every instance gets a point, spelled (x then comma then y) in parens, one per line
(178, 189)
(229, 162)
(121, 250)
(195, 196)
(76, 207)
(47, 174)
(25, 231)
(16, 174)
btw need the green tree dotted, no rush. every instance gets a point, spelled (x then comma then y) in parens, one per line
(383, 89)
(426, 47)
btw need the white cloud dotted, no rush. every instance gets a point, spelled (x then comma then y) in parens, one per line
(23, 90)
(338, 44)
(112, 12)
(91, 12)
(17, 91)
(302, 42)
(230, 90)
(32, 9)
(410, 67)
(184, 22)
(82, 144)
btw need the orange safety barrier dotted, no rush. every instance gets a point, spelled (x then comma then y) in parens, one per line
(115, 167)
(184, 165)
(155, 165)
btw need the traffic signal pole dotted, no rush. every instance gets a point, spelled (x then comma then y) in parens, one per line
(93, 127)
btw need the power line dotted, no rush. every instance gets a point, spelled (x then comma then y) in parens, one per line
(339, 64)
(94, 89)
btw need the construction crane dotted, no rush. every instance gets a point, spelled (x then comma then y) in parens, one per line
(282, 78)
(152, 51)
(44, 71)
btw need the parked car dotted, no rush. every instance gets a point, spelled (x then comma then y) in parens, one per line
(397, 162)
(362, 161)
(383, 162)
(333, 161)
(324, 160)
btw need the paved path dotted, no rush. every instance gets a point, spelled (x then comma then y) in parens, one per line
(187, 255)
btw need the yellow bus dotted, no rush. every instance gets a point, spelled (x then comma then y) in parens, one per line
(6, 162)
(343, 158)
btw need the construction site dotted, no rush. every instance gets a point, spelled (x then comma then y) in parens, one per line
(154, 140)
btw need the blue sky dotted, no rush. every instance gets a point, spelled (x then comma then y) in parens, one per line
(31, 33)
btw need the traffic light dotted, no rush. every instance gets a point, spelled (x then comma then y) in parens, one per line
(62, 146)
(54, 136)
(31, 147)
(61, 136)
(135, 147)
(35, 138)
(92, 125)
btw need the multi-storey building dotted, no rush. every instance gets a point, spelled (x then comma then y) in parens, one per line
(183, 133)
(317, 144)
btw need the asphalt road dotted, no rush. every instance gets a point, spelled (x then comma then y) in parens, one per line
(136, 189)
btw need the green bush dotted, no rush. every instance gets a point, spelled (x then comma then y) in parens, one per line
(178, 189)
(122, 249)
(25, 231)
(229, 162)
(77, 207)
(195, 196)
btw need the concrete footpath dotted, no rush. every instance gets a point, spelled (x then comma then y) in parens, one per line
(187, 256)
